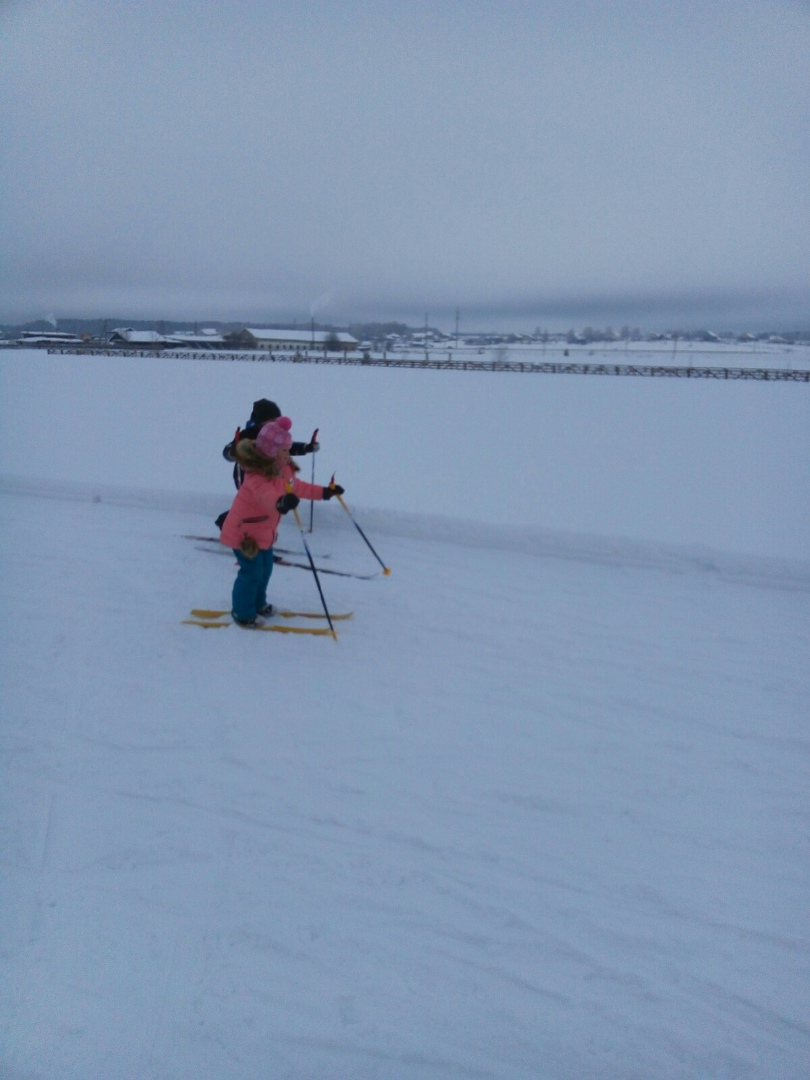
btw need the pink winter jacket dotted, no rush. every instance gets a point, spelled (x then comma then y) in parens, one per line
(254, 512)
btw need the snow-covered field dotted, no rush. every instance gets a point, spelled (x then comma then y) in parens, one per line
(541, 812)
(707, 463)
(731, 354)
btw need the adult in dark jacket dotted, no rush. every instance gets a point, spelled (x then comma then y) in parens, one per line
(263, 412)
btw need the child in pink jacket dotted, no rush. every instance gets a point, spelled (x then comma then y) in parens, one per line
(270, 489)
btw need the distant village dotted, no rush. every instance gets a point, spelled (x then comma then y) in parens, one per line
(376, 338)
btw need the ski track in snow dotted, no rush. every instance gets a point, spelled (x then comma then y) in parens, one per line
(533, 816)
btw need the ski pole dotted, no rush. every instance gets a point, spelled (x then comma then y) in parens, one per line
(386, 569)
(312, 501)
(314, 571)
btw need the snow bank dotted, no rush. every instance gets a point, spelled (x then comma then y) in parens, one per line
(720, 465)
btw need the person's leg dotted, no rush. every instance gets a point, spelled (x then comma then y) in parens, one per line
(246, 587)
(266, 571)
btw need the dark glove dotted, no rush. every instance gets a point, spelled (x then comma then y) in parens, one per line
(221, 520)
(287, 502)
(229, 451)
(313, 447)
(333, 489)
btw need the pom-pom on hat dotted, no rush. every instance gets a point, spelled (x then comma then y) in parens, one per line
(274, 436)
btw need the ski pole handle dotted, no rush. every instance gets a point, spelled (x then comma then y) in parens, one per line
(313, 444)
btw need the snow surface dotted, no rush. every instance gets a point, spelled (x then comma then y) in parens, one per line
(541, 812)
(717, 464)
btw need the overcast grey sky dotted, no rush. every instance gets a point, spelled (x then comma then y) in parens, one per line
(530, 163)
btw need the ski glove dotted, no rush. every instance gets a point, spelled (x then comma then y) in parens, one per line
(333, 489)
(229, 451)
(287, 502)
(298, 449)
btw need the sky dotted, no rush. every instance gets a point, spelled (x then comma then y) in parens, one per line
(523, 163)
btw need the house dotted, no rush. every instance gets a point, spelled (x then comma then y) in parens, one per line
(45, 338)
(292, 340)
(191, 339)
(137, 339)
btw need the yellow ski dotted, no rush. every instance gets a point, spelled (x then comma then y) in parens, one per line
(209, 613)
(211, 624)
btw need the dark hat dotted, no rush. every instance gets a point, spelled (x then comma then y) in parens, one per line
(264, 410)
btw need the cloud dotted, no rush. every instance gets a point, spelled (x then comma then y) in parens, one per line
(262, 158)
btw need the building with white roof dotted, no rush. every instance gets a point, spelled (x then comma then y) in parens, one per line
(292, 340)
(142, 339)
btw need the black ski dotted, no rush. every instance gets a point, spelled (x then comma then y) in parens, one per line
(215, 540)
(278, 560)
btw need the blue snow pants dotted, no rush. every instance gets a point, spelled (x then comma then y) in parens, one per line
(250, 587)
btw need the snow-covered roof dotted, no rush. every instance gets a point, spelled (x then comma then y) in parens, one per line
(48, 335)
(135, 337)
(320, 337)
(190, 338)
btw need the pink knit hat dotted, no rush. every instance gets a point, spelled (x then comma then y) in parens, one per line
(274, 436)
